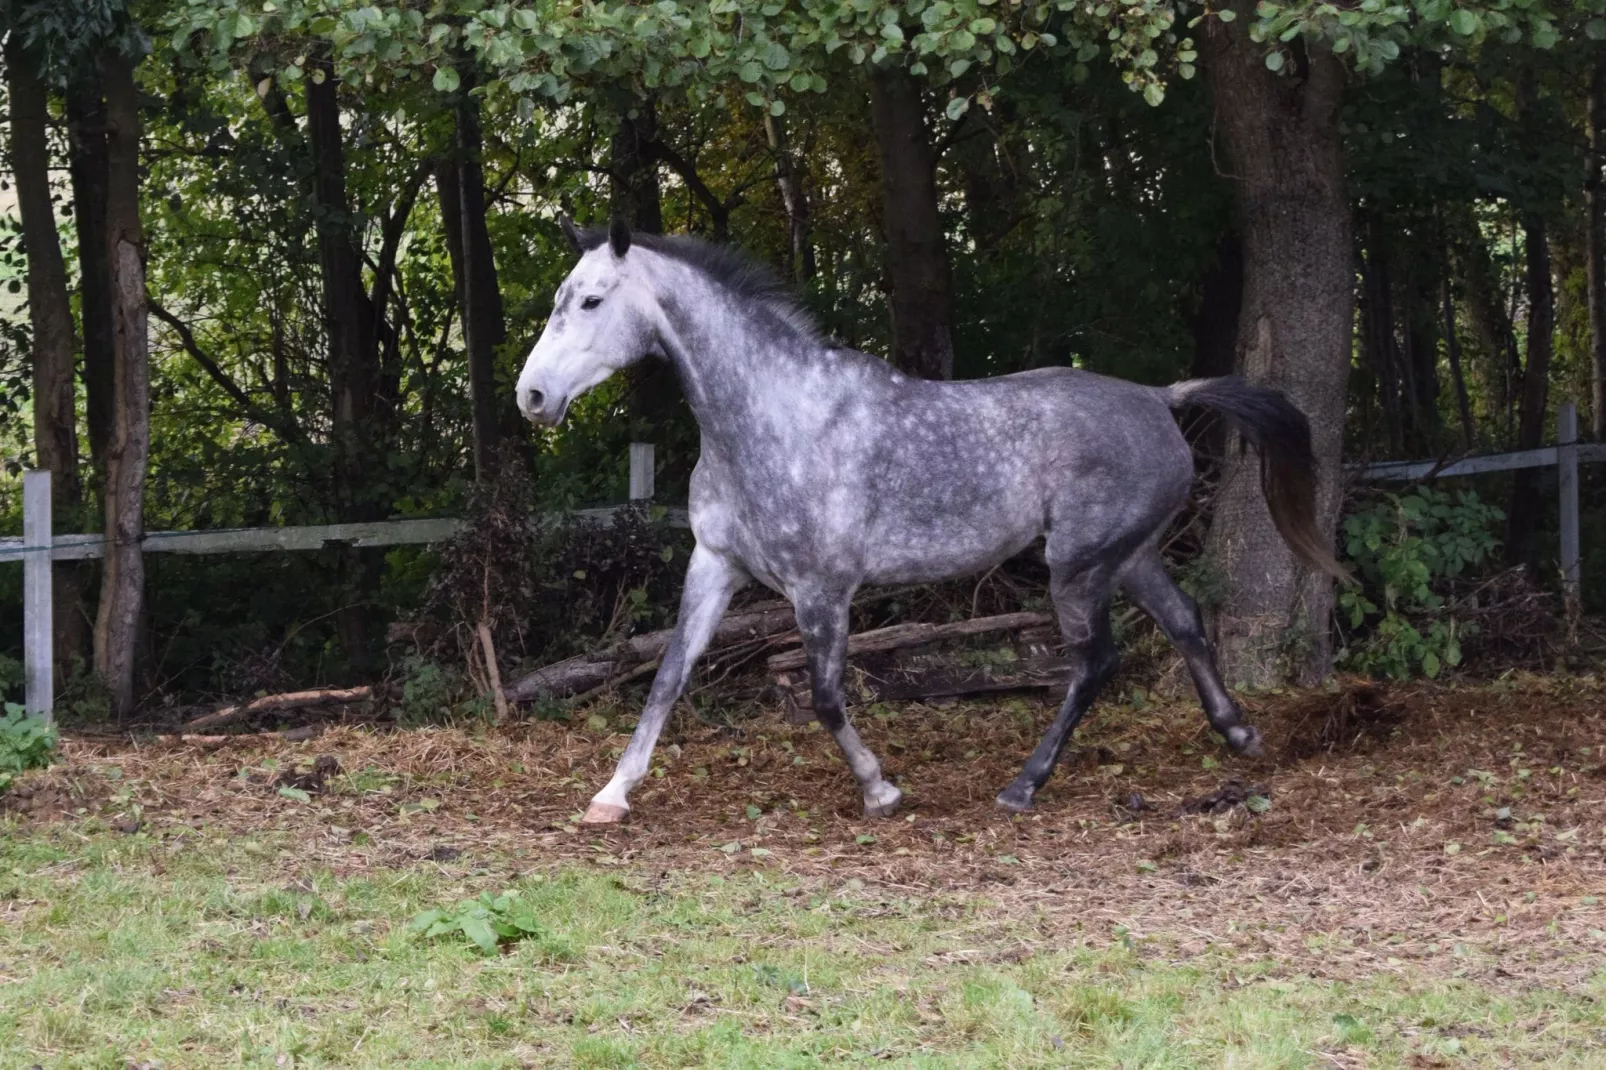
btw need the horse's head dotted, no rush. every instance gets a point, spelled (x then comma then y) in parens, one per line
(602, 320)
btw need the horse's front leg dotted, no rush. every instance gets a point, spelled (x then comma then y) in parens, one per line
(822, 620)
(711, 579)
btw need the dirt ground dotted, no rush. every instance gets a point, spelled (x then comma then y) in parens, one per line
(1450, 830)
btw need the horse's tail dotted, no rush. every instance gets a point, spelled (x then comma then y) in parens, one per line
(1280, 433)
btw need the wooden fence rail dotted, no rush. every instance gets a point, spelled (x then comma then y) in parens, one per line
(37, 549)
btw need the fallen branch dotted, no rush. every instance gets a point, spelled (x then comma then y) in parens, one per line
(290, 700)
(905, 635)
(587, 672)
(927, 678)
(492, 671)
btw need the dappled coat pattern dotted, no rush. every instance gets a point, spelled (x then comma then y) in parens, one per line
(823, 469)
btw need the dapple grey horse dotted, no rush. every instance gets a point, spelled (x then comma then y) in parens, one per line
(823, 469)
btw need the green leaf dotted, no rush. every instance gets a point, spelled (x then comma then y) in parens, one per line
(753, 812)
(1257, 804)
(446, 80)
(776, 57)
(1154, 94)
(1464, 22)
(295, 793)
(479, 931)
(957, 108)
(777, 108)
(1226, 14)
(1595, 29)
(1274, 61)
(1430, 664)
(732, 847)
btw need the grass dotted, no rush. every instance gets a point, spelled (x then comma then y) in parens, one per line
(195, 947)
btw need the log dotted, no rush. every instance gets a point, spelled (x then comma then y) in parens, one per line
(925, 678)
(586, 672)
(905, 635)
(289, 700)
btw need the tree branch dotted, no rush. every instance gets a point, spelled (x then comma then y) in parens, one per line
(287, 430)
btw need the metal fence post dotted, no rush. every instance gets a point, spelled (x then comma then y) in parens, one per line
(641, 465)
(1567, 470)
(38, 625)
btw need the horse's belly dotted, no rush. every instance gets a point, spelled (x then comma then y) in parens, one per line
(947, 548)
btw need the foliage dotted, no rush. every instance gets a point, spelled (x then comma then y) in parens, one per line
(26, 742)
(1409, 549)
(487, 922)
(430, 692)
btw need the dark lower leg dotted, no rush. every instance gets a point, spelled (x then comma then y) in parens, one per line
(1157, 594)
(1083, 605)
(823, 623)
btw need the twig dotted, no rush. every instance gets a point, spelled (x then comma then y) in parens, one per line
(290, 700)
(493, 672)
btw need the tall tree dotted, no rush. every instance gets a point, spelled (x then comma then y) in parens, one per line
(86, 131)
(1523, 512)
(1285, 154)
(1595, 241)
(918, 273)
(55, 433)
(794, 197)
(122, 595)
(463, 208)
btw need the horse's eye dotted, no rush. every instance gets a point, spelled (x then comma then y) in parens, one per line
(590, 303)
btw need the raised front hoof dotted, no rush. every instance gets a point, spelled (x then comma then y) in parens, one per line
(1245, 741)
(601, 813)
(1015, 799)
(882, 801)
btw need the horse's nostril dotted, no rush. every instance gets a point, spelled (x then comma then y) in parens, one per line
(534, 401)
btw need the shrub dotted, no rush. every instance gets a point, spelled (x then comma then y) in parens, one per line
(26, 742)
(1409, 551)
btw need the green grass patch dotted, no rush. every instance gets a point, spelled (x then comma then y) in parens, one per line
(199, 950)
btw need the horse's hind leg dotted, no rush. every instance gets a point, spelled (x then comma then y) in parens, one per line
(1157, 594)
(1082, 601)
(822, 619)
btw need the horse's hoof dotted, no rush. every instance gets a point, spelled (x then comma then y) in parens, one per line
(1015, 800)
(601, 813)
(882, 800)
(1245, 740)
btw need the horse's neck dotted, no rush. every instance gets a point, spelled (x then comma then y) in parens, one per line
(739, 377)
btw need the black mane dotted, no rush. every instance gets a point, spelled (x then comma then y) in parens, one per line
(733, 269)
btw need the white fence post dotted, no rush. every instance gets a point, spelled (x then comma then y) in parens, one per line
(641, 465)
(1567, 470)
(38, 625)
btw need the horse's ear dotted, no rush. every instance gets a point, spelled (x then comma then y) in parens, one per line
(569, 232)
(619, 236)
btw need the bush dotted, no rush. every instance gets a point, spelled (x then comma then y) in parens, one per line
(1410, 551)
(25, 743)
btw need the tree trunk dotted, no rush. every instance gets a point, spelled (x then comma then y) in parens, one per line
(474, 271)
(122, 593)
(635, 193)
(1286, 153)
(86, 116)
(794, 198)
(1215, 337)
(1452, 346)
(353, 371)
(354, 363)
(1524, 508)
(1492, 333)
(918, 274)
(1378, 343)
(1595, 255)
(55, 432)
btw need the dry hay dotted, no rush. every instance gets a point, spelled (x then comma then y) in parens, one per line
(1385, 844)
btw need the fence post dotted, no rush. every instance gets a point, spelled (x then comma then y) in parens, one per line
(1567, 471)
(641, 465)
(38, 625)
